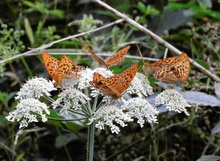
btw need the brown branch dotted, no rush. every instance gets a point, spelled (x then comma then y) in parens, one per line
(157, 38)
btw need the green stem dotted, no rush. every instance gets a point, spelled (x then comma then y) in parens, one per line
(90, 141)
(27, 67)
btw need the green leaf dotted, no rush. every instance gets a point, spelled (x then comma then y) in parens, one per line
(73, 126)
(29, 31)
(55, 115)
(30, 4)
(56, 12)
(20, 157)
(206, 3)
(199, 11)
(203, 63)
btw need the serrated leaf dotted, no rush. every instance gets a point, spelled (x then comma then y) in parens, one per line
(29, 31)
(201, 99)
(209, 157)
(216, 129)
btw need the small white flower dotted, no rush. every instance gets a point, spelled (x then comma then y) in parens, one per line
(140, 86)
(173, 100)
(142, 110)
(27, 110)
(35, 88)
(110, 116)
(85, 77)
(70, 98)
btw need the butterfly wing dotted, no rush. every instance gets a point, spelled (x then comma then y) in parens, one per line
(170, 70)
(182, 67)
(98, 59)
(120, 82)
(115, 85)
(117, 57)
(125, 78)
(165, 74)
(51, 65)
(66, 64)
(101, 83)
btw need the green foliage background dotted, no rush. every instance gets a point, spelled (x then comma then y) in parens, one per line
(190, 25)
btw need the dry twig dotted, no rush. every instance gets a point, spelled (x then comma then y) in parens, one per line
(43, 47)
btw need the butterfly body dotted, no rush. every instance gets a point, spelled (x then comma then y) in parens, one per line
(170, 70)
(64, 72)
(115, 85)
(115, 59)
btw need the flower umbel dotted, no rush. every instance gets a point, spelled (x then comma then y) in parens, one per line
(173, 100)
(70, 98)
(35, 88)
(27, 110)
(111, 116)
(142, 110)
(140, 86)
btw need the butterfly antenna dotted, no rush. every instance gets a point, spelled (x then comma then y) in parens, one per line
(139, 51)
(92, 53)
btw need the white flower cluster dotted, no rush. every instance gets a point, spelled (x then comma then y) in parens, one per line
(173, 100)
(35, 88)
(27, 110)
(114, 116)
(142, 110)
(140, 86)
(29, 107)
(111, 116)
(70, 98)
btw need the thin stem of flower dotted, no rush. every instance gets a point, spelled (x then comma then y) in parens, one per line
(57, 119)
(49, 98)
(88, 102)
(90, 141)
(76, 112)
(86, 110)
(94, 107)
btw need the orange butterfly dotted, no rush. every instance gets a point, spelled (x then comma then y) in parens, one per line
(115, 59)
(174, 70)
(115, 85)
(64, 72)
